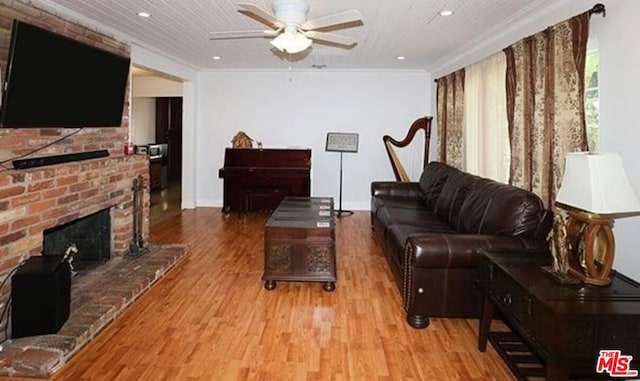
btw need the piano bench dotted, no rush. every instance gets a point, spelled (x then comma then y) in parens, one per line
(262, 199)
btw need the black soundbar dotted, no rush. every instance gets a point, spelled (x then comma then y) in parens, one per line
(58, 159)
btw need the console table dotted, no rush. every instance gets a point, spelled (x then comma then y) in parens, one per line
(564, 325)
(299, 242)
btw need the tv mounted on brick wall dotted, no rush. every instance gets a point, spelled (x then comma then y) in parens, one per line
(55, 81)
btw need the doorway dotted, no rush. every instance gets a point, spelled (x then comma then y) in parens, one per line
(169, 130)
(166, 200)
(156, 121)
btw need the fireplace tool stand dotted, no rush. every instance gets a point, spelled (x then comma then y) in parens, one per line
(136, 247)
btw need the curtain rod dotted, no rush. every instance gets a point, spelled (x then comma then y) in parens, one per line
(598, 9)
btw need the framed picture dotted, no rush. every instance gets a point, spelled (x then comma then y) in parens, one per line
(341, 142)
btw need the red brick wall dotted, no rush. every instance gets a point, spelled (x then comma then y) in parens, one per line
(36, 199)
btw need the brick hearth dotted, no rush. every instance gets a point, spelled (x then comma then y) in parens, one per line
(96, 299)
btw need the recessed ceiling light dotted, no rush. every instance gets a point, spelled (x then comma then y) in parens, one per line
(401, 58)
(446, 12)
(144, 14)
(216, 58)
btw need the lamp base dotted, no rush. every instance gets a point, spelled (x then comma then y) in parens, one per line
(560, 277)
(592, 247)
(601, 282)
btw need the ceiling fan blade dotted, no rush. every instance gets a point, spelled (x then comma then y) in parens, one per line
(242, 34)
(332, 38)
(259, 14)
(350, 16)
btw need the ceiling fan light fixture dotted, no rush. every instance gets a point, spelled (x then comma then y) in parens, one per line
(291, 42)
(292, 32)
(291, 11)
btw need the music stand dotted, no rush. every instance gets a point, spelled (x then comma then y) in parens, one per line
(342, 142)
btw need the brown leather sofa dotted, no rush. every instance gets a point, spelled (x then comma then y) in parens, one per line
(431, 232)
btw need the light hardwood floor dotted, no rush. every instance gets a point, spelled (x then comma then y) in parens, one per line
(210, 318)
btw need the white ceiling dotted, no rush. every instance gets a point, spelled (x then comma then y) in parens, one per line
(180, 29)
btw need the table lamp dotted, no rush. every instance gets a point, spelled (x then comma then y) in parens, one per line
(595, 190)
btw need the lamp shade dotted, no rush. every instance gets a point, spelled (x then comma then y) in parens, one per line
(291, 41)
(597, 183)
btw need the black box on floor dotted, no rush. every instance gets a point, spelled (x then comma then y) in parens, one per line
(40, 296)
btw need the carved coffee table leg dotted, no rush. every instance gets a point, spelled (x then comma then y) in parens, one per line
(329, 286)
(270, 285)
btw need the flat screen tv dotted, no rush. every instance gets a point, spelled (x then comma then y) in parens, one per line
(55, 81)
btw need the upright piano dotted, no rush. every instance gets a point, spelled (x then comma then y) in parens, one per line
(258, 179)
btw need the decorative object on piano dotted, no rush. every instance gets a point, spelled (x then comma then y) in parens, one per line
(342, 142)
(289, 25)
(595, 191)
(241, 140)
(398, 169)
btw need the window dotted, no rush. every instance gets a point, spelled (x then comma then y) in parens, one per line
(591, 99)
(486, 131)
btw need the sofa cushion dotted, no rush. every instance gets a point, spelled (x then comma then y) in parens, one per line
(398, 202)
(398, 234)
(416, 217)
(388, 192)
(452, 196)
(432, 180)
(500, 209)
(451, 250)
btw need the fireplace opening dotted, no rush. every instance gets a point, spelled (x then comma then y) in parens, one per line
(87, 240)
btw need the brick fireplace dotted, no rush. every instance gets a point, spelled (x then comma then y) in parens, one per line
(87, 240)
(38, 199)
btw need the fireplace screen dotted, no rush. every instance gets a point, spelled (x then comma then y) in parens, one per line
(91, 236)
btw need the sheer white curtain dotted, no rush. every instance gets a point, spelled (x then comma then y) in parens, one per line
(486, 133)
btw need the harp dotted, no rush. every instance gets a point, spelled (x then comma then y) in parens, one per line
(389, 142)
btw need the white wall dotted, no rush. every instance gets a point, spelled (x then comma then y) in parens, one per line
(619, 83)
(283, 109)
(143, 120)
(143, 57)
(144, 86)
(501, 36)
(143, 105)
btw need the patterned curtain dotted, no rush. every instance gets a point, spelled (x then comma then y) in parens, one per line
(450, 103)
(545, 104)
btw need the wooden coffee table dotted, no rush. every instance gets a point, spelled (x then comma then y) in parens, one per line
(299, 242)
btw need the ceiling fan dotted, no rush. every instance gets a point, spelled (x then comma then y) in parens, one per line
(291, 30)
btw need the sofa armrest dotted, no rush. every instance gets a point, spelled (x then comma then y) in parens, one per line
(461, 250)
(395, 188)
